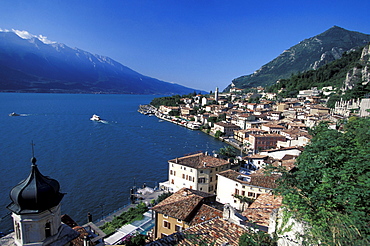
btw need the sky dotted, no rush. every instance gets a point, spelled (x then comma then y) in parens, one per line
(201, 44)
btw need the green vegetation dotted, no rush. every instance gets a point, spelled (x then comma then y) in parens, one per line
(218, 134)
(301, 56)
(244, 200)
(174, 100)
(127, 217)
(228, 152)
(331, 74)
(329, 189)
(259, 238)
(163, 196)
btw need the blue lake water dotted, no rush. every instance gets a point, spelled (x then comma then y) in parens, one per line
(95, 163)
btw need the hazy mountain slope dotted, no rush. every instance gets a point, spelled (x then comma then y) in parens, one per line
(309, 54)
(32, 65)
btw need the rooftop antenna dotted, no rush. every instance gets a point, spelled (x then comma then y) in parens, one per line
(33, 159)
(33, 150)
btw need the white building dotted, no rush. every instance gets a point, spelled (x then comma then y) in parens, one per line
(231, 183)
(197, 172)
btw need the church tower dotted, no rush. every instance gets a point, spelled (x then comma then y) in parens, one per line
(35, 208)
(216, 95)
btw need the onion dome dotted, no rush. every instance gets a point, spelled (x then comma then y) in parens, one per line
(35, 194)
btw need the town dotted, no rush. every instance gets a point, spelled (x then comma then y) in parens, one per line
(223, 198)
(226, 197)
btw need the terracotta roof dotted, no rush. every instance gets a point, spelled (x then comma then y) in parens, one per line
(256, 179)
(273, 126)
(257, 156)
(182, 204)
(199, 160)
(226, 124)
(260, 210)
(205, 213)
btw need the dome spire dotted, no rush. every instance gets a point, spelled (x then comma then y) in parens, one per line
(33, 159)
(36, 193)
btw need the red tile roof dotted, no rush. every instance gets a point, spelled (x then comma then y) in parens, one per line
(182, 204)
(199, 160)
(256, 179)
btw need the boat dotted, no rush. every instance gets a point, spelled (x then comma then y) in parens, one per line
(14, 114)
(95, 118)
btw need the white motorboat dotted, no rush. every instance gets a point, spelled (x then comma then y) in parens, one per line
(14, 114)
(95, 118)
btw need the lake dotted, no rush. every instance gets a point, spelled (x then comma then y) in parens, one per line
(95, 163)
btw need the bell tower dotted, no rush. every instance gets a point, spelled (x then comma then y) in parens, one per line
(35, 208)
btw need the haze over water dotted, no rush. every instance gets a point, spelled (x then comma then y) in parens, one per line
(95, 163)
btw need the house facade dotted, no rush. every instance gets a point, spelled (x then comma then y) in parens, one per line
(183, 209)
(197, 171)
(231, 183)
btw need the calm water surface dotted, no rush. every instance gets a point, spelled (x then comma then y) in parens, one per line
(95, 163)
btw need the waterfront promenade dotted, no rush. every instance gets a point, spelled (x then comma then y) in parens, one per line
(146, 198)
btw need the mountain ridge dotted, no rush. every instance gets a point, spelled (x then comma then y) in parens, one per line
(31, 65)
(310, 53)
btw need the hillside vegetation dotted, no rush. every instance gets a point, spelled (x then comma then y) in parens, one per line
(329, 188)
(310, 53)
(332, 74)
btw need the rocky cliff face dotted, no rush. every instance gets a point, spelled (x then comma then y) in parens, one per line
(310, 53)
(360, 74)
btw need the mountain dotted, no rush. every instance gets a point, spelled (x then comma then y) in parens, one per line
(309, 54)
(345, 78)
(32, 64)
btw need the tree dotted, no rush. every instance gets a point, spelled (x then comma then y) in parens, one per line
(258, 238)
(329, 189)
(228, 151)
(218, 134)
(244, 200)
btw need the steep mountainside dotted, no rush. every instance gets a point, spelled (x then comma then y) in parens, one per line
(30, 65)
(309, 54)
(349, 77)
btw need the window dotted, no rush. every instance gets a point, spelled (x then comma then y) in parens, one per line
(243, 192)
(172, 181)
(166, 224)
(236, 191)
(179, 221)
(193, 179)
(183, 176)
(178, 228)
(202, 180)
(187, 177)
(251, 194)
(171, 172)
(47, 229)
(165, 216)
(210, 179)
(174, 173)
(17, 231)
(201, 171)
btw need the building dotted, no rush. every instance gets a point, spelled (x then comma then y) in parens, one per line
(36, 213)
(260, 142)
(231, 183)
(197, 171)
(183, 209)
(224, 127)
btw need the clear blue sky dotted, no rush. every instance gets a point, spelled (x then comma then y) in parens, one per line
(200, 44)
